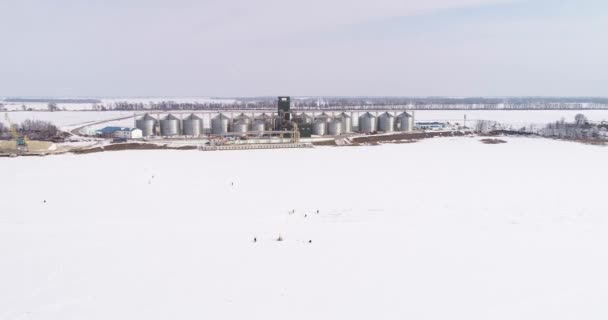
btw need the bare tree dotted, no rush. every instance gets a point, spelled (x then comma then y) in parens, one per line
(580, 129)
(580, 119)
(38, 129)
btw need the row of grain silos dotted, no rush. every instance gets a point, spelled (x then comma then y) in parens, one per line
(193, 125)
(368, 123)
(320, 125)
(168, 125)
(241, 124)
(386, 122)
(324, 124)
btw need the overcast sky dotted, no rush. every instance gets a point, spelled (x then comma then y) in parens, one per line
(312, 47)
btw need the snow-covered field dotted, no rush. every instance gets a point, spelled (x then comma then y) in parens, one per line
(67, 118)
(444, 228)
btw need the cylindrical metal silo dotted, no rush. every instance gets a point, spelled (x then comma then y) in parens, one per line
(240, 127)
(367, 123)
(263, 116)
(192, 125)
(386, 122)
(170, 126)
(323, 117)
(220, 124)
(334, 128)
(319, 128)
(406, 122)
(243, 118)
(304, 118)
(347, 122)
(267, 119)
(146, 124)
(258, 125)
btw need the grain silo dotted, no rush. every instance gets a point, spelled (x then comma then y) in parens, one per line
(386, 122)
(192, 125)
(347, 122)
(319, 128)
(334, 128)
(406, 122)
(220, 124)
(267, 119)
(243, 118)
(240, 127)
(170, 126)
(367, 123)
(303, 118)
(258, 126)
(146, 124)
(323, 117)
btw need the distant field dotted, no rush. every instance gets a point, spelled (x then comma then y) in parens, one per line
(515, 118)
(65, 118)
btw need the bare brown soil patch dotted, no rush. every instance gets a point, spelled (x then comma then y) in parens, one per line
(493, 141)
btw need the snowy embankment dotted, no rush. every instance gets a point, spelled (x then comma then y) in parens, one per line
(444, 228)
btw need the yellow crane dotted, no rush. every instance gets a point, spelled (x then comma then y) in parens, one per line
(20, 142)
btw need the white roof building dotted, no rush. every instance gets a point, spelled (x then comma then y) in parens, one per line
(128, 133)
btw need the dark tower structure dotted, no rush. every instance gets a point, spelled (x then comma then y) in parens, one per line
(285, 122)
(285, 108)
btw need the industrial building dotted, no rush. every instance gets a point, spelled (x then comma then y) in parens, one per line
(280, 122)
(431, 125)
(128, 133)
(120, 132)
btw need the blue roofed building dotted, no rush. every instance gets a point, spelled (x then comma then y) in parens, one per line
(431, 125)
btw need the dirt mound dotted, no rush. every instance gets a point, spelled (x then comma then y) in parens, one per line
(325, 143)
(492, 141)
(131, 146)
(510, 133)
(406, 136)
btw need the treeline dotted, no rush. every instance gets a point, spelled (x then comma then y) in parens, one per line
(339, 103)
(580, 129)
(32, 129)
(170, 105)
(44, 100)
(371, 103)
(355, 101)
